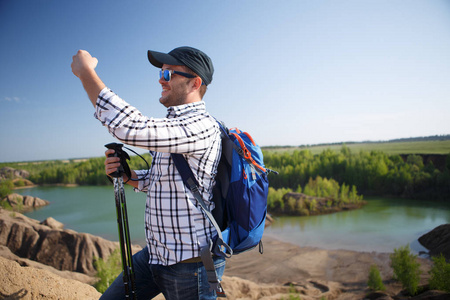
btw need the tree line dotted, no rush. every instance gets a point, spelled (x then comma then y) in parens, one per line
(82, 172)
(372, 172)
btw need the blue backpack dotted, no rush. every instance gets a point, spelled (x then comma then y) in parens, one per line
(240, 198)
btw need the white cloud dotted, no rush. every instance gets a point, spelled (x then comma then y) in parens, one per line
(12, 99)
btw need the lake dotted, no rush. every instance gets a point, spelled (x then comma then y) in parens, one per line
(382, 225)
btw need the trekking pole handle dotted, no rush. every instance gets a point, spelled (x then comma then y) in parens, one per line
(118, 152)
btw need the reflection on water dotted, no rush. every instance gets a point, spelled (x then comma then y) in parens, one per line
(382, 225)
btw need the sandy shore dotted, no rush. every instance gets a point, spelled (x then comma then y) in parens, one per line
(326, 270)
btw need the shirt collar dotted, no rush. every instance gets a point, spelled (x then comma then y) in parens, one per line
(176, 111)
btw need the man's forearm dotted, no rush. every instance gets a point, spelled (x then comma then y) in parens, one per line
(92, 85)
(83, 66)
(134, 184)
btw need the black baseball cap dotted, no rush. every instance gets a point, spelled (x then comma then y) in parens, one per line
(194, 59)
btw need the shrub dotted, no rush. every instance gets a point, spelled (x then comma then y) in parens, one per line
(375, 282)
(406, 269)
(291, 204)
(312, 205)
(293, 294)
(19, 183)
(440, 274)
(5, 204)
(275, 198)
(107, 270)
(6, 187)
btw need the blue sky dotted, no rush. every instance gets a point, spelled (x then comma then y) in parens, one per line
(289, 72)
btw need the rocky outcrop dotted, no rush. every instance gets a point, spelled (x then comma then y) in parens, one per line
(17, 177)
(437, 241)
(24, 262)
(25, 202)
(49, 244)
(17, 282)
(52, 223)
(8, 172)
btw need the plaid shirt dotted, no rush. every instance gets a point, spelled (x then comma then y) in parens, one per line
(175, 227)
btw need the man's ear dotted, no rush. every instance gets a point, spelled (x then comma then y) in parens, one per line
(197, 83)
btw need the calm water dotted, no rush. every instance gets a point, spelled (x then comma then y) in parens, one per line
(90, 209)
(382, 225)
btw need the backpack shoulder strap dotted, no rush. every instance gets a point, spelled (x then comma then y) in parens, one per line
(192, 184)
(206, 252)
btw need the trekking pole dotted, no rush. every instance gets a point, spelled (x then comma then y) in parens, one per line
(122, 222)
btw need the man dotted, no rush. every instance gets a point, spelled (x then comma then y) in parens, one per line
(175, 227)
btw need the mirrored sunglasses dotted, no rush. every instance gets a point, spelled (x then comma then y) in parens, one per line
(167, 74)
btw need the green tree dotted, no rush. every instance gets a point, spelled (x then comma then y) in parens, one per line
(375, 282)
(406, 269)
(440, 274)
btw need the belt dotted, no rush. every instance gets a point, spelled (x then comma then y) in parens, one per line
(191, 260)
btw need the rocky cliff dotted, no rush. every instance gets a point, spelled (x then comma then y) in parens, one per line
(48, 243)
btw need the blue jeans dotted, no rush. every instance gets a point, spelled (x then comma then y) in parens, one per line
(180, 281)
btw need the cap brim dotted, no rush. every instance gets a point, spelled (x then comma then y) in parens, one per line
(158, 59)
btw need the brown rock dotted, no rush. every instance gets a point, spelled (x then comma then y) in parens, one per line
(52, 223)
(24, 262)
(61, 249)
(437, 241)
(34, 202)
(18, 282)
(16, 200)
(8, 172)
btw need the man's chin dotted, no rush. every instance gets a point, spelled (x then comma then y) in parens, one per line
(163, 101)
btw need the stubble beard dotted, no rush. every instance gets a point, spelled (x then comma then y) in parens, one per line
(172, 100)
(174, 97)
